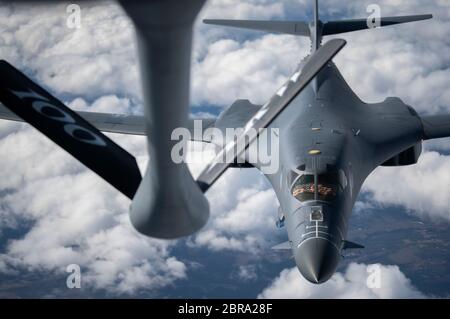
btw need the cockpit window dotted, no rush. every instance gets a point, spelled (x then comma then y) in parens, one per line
(303, 188)
(328, 186)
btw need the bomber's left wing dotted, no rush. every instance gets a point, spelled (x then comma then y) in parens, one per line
(122, 123)
(105, 122)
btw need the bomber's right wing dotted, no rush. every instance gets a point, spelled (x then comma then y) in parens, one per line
(436, 126)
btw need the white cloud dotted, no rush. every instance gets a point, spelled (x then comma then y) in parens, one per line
(243, 213)
(76, 218)
(97, 59)
(105, 104)
(250, 202)
(242, 207)
(350, 285)
(251, 70)
(410, 61)
(422, 188)
(441, 144)
(6, 263)
(247, 273)
(230, 9)
(361, 206)
(237, 9)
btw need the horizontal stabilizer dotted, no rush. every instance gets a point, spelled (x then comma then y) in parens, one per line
(286, 27)
(283, 246)
(69, 130)
(350, 245)
(342, 26)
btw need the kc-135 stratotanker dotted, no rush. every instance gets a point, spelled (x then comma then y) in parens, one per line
(329, 140)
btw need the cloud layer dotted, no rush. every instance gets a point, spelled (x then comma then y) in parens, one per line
(75, 218)
(355, 283)
(422, 188)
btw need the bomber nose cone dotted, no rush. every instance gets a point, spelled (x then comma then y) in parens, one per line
(317, 259)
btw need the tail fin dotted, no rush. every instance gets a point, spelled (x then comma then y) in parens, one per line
(343, 26)
(316, 28)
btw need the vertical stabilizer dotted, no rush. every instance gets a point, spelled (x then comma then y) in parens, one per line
(315, 28)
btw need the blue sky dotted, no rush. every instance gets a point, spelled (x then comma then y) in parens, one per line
(54, 212)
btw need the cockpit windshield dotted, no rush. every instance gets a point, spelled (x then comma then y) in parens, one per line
(304, 188)
(324, 188)
(328, 186)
